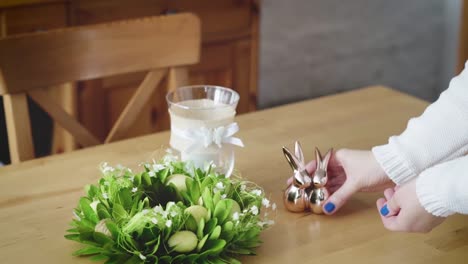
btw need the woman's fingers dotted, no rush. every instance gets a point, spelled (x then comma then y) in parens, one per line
(311, 167)
(339, 198)
(392, 206)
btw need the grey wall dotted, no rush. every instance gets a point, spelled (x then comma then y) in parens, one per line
(311, 48)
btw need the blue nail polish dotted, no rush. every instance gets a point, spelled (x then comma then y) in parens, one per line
(329, 207)
(384, 210)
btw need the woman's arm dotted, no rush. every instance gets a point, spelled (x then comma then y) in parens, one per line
(443, 189)
(439, 134)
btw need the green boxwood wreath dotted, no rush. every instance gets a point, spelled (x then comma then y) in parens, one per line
(169, 213)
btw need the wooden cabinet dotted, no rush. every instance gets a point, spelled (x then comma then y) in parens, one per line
(228, 57)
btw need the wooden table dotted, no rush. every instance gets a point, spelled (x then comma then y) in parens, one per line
(37, 197)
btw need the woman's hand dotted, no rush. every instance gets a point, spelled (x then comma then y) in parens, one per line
(351, 171)
(401, 210)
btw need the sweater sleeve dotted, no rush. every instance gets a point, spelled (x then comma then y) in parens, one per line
(439, 134)
(443, 189)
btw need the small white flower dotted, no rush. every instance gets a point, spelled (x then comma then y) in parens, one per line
(164, 214)
(105, 196)
(142, 257)
(235, 216)
(107, 169)
(219, 186)
(169, 223)
(151, 174)
(224, 196)
(273, 206)
(169, 158)
(76, 216)
(245, 211)
(94, 205)
(173, 213)
(254, 210)
(266, 203)
(257, 192)
(132, 178)
(144, 211)
(154, 220)
(134, 189)
(158, 209)
(158, 167)
(243, 187)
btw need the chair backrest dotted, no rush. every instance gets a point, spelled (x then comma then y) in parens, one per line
(30, 63)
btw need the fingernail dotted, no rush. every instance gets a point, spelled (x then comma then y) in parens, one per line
(384, 210)
(329, 207)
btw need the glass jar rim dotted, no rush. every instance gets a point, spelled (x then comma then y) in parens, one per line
(171, 102)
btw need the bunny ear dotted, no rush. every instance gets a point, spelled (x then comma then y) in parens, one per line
(326, 159)
(292, 160)
(318, 157)
(298, 151)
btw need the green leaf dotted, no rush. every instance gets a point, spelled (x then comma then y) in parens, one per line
(88, 211)
(134, 260)
(194, 191)
(101, 238)
(216, 232)
(146, 179)
(210, 225)
(227, 231)
(89, 250)
(201, 226)
(191, 258)
(162, 175)
(124, 198)
(98, 257)
(113, 228)
(231, 260)
(207, 199)
(119, 213)
(222, 210)
(191, 223)
(156, 246)
(201, 243)
(213, 247)
(179, 258)
(102, 211)
(206, 183)
(93, 191)
(74, 237)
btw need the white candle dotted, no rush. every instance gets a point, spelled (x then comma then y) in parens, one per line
(194, 114)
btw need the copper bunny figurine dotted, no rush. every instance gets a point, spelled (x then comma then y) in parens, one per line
(306, 192)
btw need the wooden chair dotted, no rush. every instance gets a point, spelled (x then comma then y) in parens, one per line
(32, 62)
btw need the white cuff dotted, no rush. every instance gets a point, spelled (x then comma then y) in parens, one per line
(394, 165)
(429, 193)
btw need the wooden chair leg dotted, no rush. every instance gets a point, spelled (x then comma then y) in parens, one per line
(65, 95)
(18, 127)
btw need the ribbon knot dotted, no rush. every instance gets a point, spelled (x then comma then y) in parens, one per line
(205, 137)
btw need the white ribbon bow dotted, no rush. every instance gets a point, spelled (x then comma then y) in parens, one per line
(204, 137)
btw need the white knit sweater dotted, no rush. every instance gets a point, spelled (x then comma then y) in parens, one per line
(433, 146)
